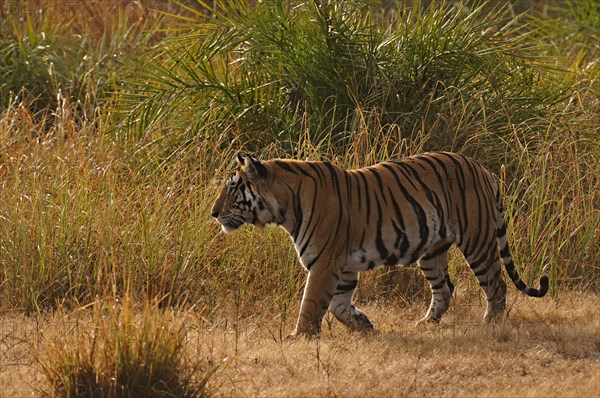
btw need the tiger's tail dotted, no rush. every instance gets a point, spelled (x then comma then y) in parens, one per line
(507, 258)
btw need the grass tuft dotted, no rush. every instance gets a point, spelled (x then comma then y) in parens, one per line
(127, 353)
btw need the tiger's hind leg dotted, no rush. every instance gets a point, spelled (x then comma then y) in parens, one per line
(434, 267)
(485, 265)
(341, 304)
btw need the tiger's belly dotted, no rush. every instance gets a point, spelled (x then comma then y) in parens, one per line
(365, 259)
(384, 244)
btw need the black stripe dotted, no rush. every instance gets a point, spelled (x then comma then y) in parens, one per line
(480, 260)
(479, 199)
(439, 177)
(397, 211)
(348, 189)
(317, 170)
(399, 236)
(510, 269)
(461, 185)
(501, 231)
(302, 171)
(445, 183)
(285, 166)
(400, 230)
(306, 241)
(391, 260)
(460, 227)
(439, 285)
(367, 197)
(338, 191)
(379, 182)
(421, 217)
(432, 197)
(440, 163)
(347, 287)
(358, 192)
(316, 258)
(312, 214)
(336, 182)
(485, 283)
(297, 213)
(440, 250)
(499, 203)
(423, 229)
(383, 252)
(505, 252)
(450, 284)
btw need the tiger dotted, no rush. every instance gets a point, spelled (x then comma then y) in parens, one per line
(394, 213)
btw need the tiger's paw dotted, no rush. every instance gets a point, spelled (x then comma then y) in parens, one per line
(292, 336)
(363, 324)
(358, 321)
(297, 336)
(311, 330)
(497, 318)
(427, 320)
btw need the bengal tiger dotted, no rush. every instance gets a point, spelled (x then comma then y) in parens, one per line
(398, 212)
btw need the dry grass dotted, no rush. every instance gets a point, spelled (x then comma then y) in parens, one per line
(549, 347)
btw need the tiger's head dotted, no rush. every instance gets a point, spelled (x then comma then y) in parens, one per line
(246, 197)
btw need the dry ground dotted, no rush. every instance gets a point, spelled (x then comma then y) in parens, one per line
(548, 348)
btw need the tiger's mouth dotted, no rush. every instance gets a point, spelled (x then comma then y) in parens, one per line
(229, 224)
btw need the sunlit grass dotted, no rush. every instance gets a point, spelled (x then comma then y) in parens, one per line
(128, 352)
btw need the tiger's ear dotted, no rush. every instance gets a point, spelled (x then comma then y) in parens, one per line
(239, 157)
(252, 166)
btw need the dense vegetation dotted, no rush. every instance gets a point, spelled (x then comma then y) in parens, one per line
(118, 119)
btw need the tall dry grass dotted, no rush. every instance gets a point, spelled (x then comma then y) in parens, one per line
(120, 351)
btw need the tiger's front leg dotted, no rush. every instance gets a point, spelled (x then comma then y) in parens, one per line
(318, 292)
(341, 305)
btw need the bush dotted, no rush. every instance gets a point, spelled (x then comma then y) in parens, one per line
(279, 71)
(126, 353)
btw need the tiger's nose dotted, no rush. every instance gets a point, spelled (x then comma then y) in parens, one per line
(214, 213)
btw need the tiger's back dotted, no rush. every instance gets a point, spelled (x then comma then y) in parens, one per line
(408, 207)
(393, 213)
